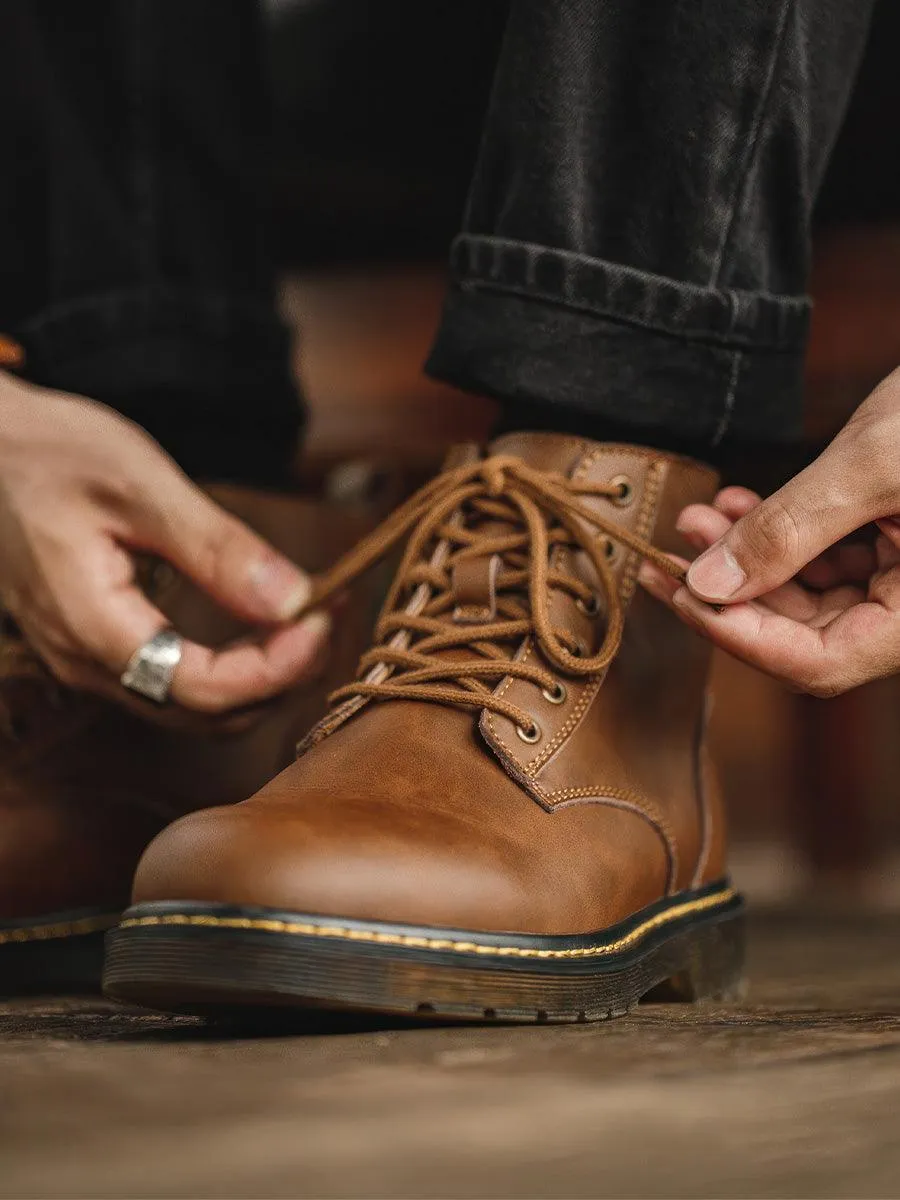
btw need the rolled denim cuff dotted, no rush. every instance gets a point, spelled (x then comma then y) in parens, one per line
(207, 375)
(549, 326)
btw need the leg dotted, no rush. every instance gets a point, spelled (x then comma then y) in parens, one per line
(134, 268)
(636, 245)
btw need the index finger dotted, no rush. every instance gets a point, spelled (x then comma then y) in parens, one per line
(862, 643)
(114, 621)
(250, 671)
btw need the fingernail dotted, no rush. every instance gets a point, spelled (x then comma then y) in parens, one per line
(693, 539)
(647, 577)
(716, 574)
(682, 601)
(689, 603)
(280, 586)
(317, 625)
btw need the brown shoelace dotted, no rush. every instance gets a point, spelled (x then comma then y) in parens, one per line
(456, 517)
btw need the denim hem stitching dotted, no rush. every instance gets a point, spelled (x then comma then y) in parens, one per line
(630, 296)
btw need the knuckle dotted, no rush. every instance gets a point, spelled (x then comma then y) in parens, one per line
(124, 493)
(204, 700)
(59, 636)
(881, 402)
(868, 440)
(215, 698)
(210, 705)
(71, 634)
(828, 691)
(226, 542)
(261, 682)
(772, 532)
(66, 671)
(823, 683)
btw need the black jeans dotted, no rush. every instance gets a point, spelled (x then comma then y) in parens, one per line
(134, 267)
(635, 249)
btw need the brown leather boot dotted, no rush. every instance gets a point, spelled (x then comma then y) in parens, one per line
(510, 814)
(85, 785)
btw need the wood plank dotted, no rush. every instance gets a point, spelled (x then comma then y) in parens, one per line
(795, 1093)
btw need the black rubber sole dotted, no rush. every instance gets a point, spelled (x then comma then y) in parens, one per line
(56, 952)
(225, 960)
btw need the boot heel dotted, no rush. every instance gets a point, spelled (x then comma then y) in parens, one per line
(714, 967)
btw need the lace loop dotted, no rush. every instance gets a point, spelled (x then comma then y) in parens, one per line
(499, 506)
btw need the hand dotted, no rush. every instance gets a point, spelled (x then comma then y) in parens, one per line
(81, 488)
(777, 585)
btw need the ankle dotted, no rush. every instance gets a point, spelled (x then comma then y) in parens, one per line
(520, 417)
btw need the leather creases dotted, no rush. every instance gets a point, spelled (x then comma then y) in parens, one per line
(497, 511)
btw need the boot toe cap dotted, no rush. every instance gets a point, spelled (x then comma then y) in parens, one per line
(371, 864)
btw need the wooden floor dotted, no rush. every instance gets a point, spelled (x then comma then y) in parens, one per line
(794, 1094)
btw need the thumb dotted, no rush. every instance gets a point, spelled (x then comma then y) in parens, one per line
(775, 540)
(233, 565)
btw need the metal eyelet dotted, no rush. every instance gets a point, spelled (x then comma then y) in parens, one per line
(610, 550)
(529, 735)
(579, 650)
(626, 491)
(590, 608)
(555, 695)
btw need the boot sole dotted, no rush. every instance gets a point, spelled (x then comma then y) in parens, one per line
(216, 959)
(56, 952)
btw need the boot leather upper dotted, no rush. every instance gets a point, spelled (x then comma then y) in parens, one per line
(422, 813)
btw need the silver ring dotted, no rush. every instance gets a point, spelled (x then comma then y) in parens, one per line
(151, 668)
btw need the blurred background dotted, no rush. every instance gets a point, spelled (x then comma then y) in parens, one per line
(792, 1093)
(379, 104)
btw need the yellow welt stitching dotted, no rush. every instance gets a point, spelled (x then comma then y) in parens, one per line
(40, 933)
(414, 941)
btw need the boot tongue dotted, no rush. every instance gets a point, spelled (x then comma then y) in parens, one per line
(474, 579)
(474, 585)
(558, 452)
